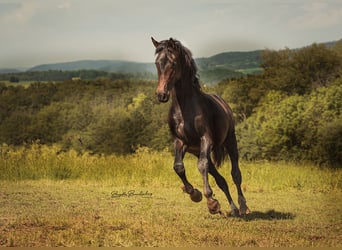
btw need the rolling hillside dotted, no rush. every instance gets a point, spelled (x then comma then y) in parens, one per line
(102, 65)
(211, 69)
(227, 60)
(231, 60)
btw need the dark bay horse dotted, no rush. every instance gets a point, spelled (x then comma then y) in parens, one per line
(200, 123)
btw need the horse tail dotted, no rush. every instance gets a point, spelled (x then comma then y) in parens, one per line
(228, 148)
(232, 147)
(220, 154)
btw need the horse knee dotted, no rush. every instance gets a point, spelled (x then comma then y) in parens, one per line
(203, 166)
(179, 168)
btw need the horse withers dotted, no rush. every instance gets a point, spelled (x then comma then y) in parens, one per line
(201, 124)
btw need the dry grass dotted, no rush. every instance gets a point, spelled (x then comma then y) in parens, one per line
(292, 205)
(78, 213)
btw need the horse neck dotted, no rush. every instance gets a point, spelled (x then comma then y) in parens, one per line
(183, 92)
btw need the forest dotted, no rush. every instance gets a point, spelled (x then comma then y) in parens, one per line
(291, 111)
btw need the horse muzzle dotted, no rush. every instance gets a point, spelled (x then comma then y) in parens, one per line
(163, 89)
(163, 96)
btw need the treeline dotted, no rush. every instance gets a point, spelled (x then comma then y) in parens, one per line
(59, 75)
(208, 77)
(101, 116)
(291, 111)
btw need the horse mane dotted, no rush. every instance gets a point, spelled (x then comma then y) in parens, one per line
(187, 62)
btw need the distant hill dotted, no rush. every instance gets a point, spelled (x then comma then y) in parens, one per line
(211, 69)
(228, 60)
(231, 60)
(101, 65)
(7, 70)
(228, 65)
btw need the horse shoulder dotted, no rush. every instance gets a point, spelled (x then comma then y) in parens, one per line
(176, 123)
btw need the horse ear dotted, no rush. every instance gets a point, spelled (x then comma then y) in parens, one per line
(172, 43)
(155, 43)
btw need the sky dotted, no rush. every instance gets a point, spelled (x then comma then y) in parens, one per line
(34, 32)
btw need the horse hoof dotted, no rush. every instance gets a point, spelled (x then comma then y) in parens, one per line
(196, 195)
(213, 206)
(244, 211)
(235, 213)
(243, 206)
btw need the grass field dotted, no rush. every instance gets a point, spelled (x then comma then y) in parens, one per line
(51, 198)
(24, 84)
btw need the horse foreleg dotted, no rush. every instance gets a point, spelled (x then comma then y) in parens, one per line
(178, 166)
(204, 161)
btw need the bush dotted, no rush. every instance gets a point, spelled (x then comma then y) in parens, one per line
(295, 127)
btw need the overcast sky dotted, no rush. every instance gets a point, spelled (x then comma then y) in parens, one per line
(47, 31)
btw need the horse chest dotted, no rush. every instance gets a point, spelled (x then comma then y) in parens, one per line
(183, 129)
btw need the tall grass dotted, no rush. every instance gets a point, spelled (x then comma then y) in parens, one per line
(150, 168)
(54, 198)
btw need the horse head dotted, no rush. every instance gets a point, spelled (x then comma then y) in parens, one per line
(168, 66)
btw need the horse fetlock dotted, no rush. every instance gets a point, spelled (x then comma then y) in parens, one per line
(235, 211)
(213, 206)
(188, 189)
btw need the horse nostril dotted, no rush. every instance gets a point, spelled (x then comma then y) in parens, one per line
(163, 97)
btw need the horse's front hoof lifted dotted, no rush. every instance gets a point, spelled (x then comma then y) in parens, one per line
(213, 206)
(196, 195)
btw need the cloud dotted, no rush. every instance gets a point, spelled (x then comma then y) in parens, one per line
(18, 13)
(6, 8)
(64, 6)
(317, 15)
(41, 31)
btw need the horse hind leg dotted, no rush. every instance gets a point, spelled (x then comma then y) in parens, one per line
(221, 182)
(236, 173)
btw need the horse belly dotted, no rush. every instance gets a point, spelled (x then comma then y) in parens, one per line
(220, 127)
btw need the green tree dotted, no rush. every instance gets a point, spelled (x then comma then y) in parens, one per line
(14, 130)
(107, 134)
(300, 71)
(14, 79)
(322, 124)
(273, 128)
(295, 127)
